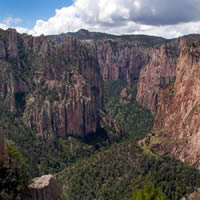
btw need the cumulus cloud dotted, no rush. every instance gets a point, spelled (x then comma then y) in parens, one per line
(153, 17)
(167, 18)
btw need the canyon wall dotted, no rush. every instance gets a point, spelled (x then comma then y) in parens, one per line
(157, 74)
(56, 88)
(119, 57)
(179, 105)
(176, 127)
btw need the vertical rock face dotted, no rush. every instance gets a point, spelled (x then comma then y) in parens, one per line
(177, 126)
(119, 57)
(56, 88)
(44, 188)
(73, 93)
(179, 106)
(159, 72)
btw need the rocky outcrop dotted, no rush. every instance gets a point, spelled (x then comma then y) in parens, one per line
(56, 88)
(157, 74)
(125, 97)
(113, 131)
(44, 188)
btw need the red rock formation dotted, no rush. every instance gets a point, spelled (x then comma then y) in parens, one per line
(159, 72)
(118, 58)
(179, 106)
(57, 88)
(177, 125)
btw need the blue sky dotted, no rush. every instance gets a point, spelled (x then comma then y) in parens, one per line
(166, 18)
(30, 10)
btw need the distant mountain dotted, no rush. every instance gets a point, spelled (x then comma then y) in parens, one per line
(83, 34)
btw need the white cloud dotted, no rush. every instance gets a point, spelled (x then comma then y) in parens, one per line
(124, 17)
(22, 30)
(18, 29)
(10, 20)
(151, 17)
(3, 26)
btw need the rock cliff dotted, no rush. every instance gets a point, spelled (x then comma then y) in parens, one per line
(119, 57)
(159, 72)
(56, 88)
(176, 126)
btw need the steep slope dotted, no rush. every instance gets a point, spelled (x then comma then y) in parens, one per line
(159, 72)
(119, 57)
(119, 171)
(176, 126)
(56, 88)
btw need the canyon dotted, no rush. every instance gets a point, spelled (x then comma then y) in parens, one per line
(56, 83)
(168, 84)
(53, 88)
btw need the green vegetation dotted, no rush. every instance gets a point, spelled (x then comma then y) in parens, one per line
(14, 176)
(46, 157)
(119, 171)
(96, 169)
(170, 92)
(52, 95)
(134, 119)
(101, 166)
(122, 170)
(149, 192)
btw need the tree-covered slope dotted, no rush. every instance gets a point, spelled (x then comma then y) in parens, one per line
(121, 170)
(120, 103)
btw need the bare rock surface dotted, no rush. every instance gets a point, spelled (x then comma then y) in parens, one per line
(44, 188)
(177, 125)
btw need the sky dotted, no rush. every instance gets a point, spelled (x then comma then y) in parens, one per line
(166, 18)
